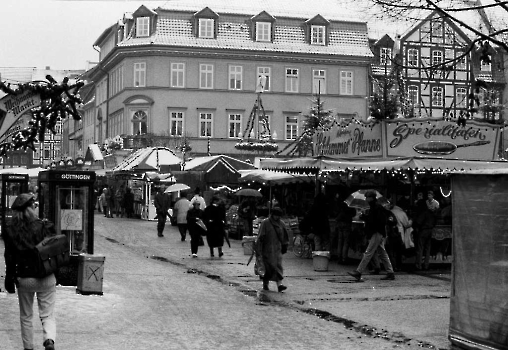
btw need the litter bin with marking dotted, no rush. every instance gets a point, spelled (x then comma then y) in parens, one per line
(90, 274)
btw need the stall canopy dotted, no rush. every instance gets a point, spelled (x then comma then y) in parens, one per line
(313, 165)
(93, 153)
(148, 159)
(273, 177)
(211, 171)
(208, 163)
(32, 172)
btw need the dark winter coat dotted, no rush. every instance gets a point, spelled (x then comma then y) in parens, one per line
(376, 219)
(272, 241)
(161, 203)
(192, 216)
(215, 221)
(20, 256)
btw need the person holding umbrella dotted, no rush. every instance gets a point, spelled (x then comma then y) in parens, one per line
(376, 218)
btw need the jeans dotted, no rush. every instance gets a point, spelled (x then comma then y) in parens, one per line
(45, 291)
(376, 245)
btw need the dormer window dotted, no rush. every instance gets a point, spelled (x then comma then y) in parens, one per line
(262, 27)
(317, 30)
(206, 26)
(317, 35)
(142, 26)
(263, 31)
(205, 23)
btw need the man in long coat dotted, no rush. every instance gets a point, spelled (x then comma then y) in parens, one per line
(161, 203)
(272, 242)
(215, 221)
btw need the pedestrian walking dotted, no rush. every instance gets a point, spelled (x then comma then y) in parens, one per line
(197, 197)
(24, 231)
(215, 221)
(103, 202)
(180, 210)
(272, 242)
(128, 202)
(161, 203)
(196, 231)
(344, 228)
(376, 218)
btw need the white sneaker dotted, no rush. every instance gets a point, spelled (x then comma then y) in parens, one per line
(194, 255)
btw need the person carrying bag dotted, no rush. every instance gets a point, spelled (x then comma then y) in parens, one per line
(24, 232)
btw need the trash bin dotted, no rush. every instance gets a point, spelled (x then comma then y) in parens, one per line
(248, 244)
(320, 260)
(90, 274)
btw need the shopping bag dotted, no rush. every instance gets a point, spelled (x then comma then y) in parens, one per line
(408, 238)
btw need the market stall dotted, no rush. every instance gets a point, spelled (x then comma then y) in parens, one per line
(144, 171)
(478, 307)
(211, 172)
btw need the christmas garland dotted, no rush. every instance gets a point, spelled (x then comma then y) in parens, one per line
(257, 146)
(58, 100)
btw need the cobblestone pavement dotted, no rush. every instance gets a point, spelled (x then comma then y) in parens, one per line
(157, 296)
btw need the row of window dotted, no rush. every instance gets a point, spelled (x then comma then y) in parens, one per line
(263, 30)
(437, 96)
(437, 57)
(236, 78)
(235, 125)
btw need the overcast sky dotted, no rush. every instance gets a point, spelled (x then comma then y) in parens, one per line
(57, 33)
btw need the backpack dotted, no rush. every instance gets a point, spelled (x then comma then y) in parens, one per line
(52, 253)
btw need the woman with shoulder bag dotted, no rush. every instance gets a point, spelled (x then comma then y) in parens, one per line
(24, 231)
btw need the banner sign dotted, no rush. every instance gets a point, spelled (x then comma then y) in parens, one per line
(12, 107)
(349, 140)
(433, 138)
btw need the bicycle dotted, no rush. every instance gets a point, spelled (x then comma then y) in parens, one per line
(303, 245)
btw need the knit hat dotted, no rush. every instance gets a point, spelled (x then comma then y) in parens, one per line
(23, 201)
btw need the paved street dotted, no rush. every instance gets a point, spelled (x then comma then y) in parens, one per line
(157, 296)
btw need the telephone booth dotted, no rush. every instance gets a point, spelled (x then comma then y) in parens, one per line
(12, 186)
(66, 198)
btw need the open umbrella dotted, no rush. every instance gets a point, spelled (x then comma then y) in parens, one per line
(248, 192)
(357, 199)
(177, 187)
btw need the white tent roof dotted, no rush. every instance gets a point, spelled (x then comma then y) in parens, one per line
(150, 159)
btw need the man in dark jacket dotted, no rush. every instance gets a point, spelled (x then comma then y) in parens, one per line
(424, 223)
(344, 227)
(375, 220)
(161, 203)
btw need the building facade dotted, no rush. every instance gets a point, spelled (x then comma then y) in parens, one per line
(194, 71)
(439, 72)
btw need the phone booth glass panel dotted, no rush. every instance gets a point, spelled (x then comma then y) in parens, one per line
(65, 198)
(12, 186)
